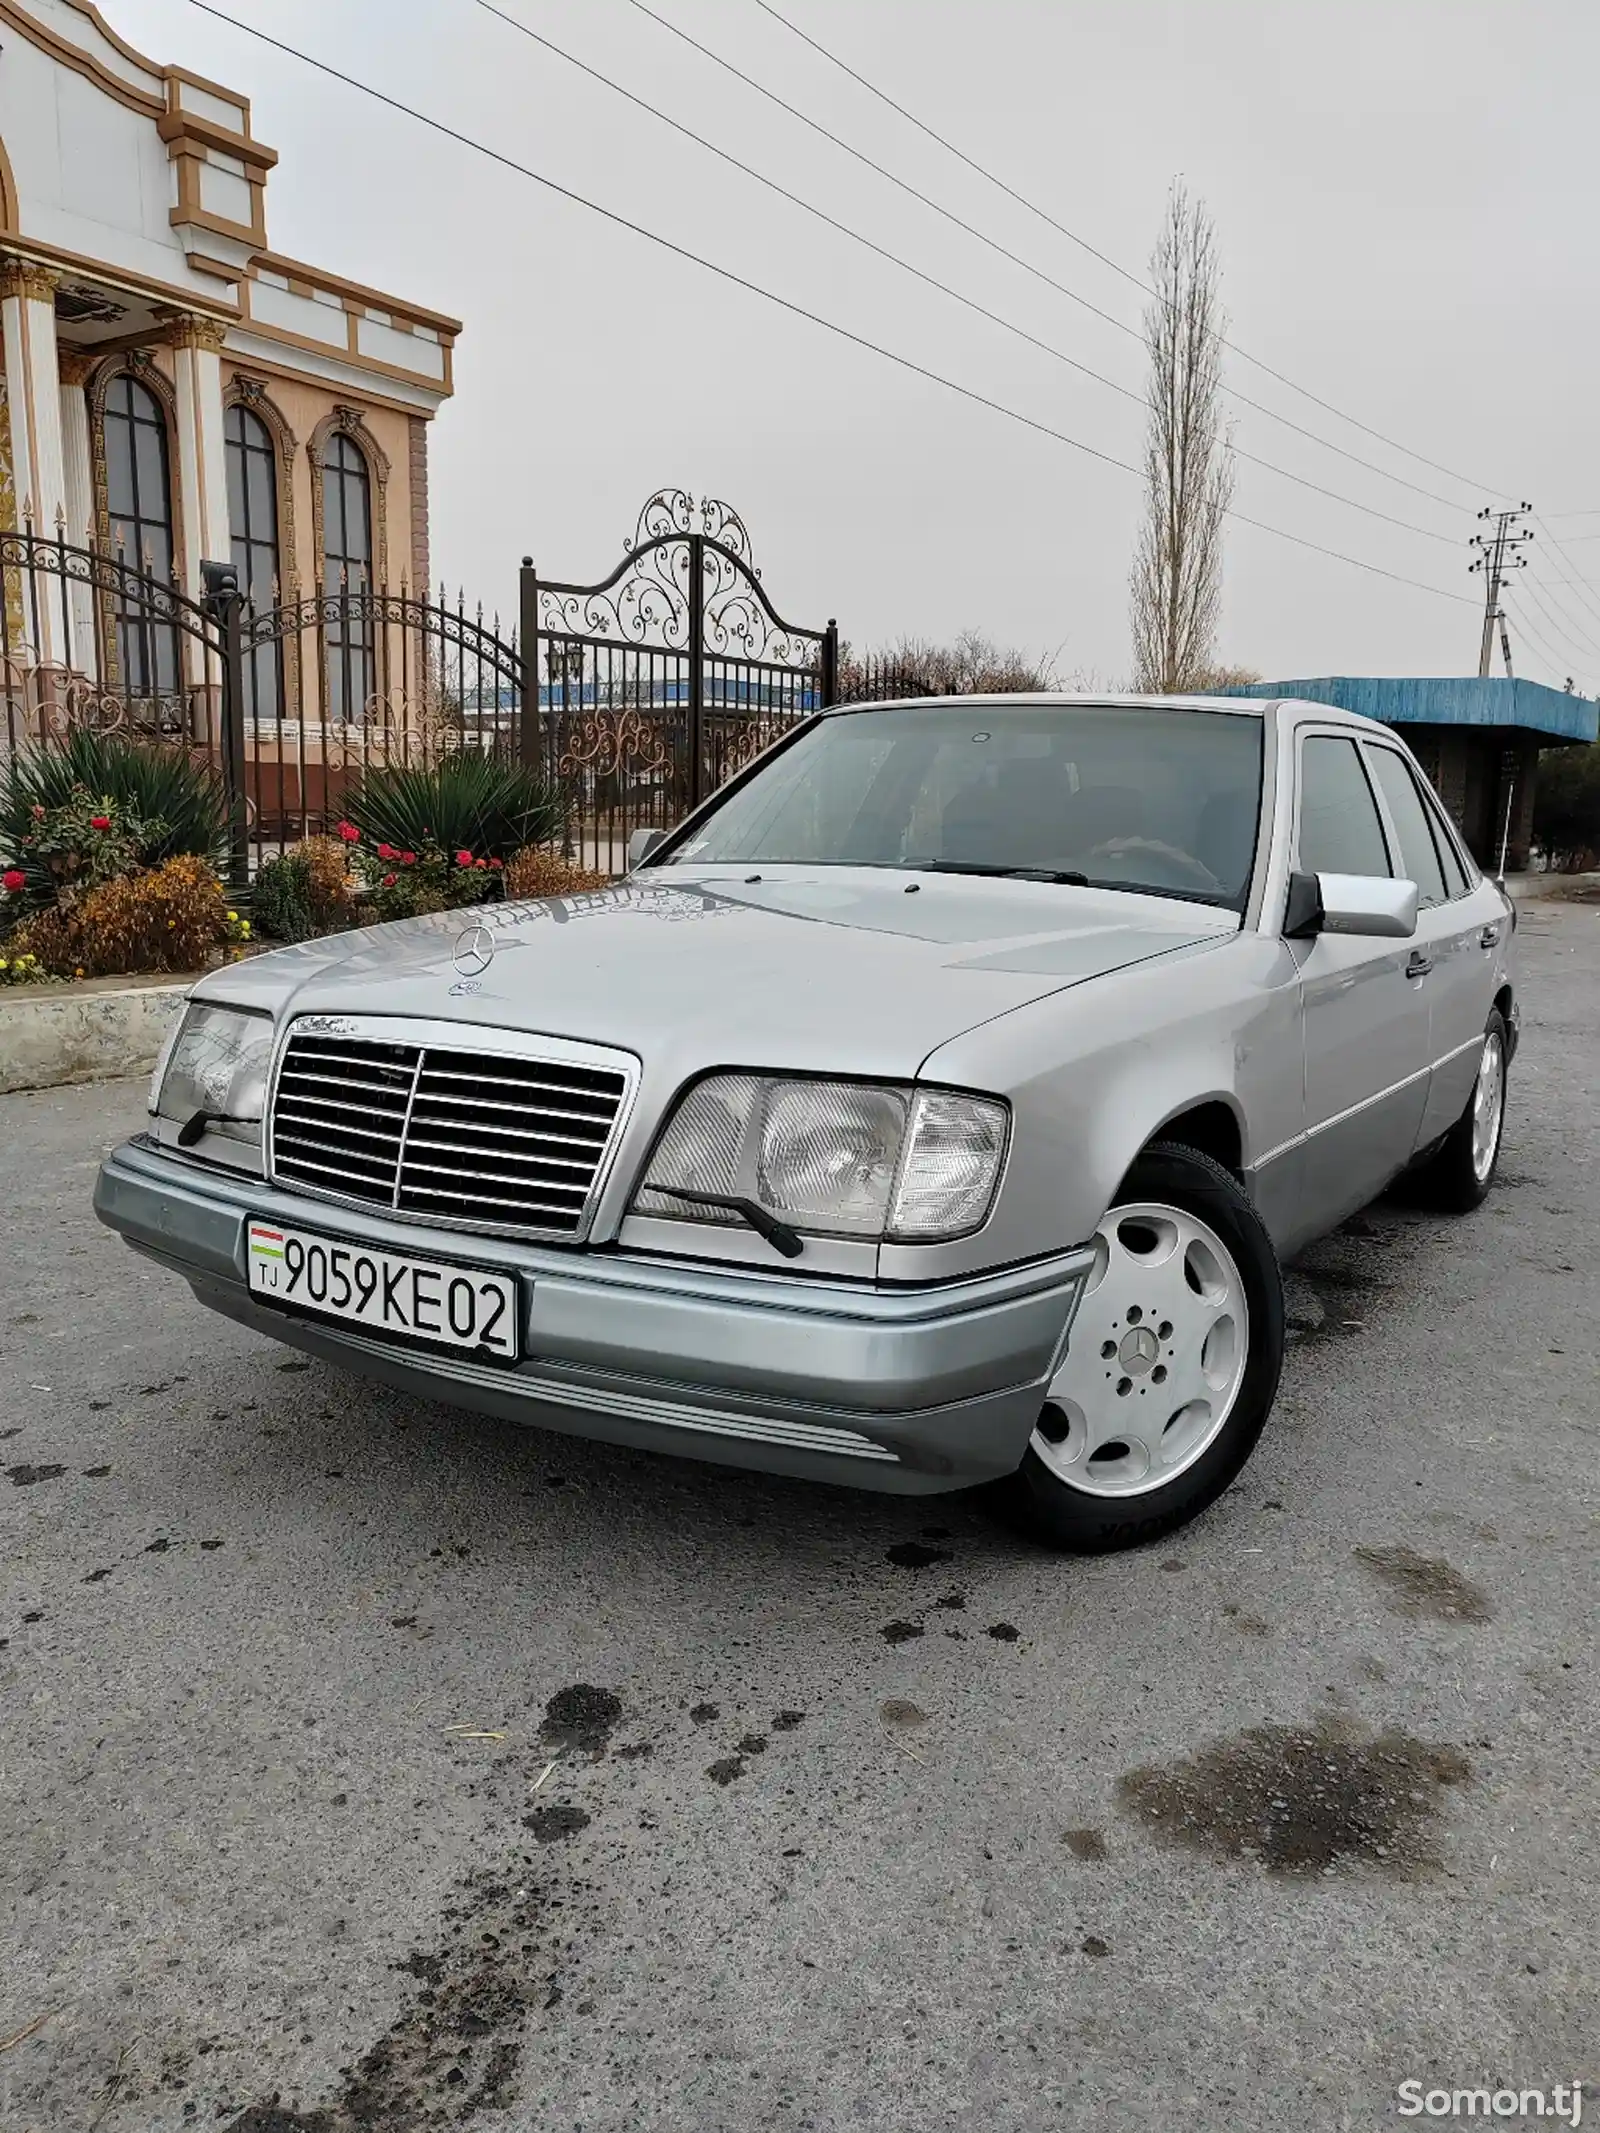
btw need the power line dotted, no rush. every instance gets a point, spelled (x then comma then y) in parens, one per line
(1576, 639)
(930, 281)
(1556, 664)
(1593, 606)
(1004, 252)
(844, 333)
(1034, 209)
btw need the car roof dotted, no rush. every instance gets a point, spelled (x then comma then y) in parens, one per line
(1110, 700)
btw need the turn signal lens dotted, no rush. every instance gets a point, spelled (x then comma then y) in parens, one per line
(951, 1167)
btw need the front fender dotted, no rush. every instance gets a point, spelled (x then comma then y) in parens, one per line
(1094, 1073)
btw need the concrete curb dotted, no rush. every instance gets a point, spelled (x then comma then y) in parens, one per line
(51, 1036)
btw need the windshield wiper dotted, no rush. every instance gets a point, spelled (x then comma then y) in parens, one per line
(778, 1234)
(973, 866)
(197, 1121)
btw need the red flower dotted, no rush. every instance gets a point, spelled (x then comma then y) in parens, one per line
(38, 812)
(99, 822)
(387, 851)
(408, 859)
(389, 880)
(480, 862)
(463, 859)
(349, 832)
(497, 864)
(13, 879)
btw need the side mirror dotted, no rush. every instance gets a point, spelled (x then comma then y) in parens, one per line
(1367, 904)
(641, 844)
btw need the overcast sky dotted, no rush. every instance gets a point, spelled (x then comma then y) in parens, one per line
(1404, 194)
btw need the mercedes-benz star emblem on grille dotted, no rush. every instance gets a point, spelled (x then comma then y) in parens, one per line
(474, 951)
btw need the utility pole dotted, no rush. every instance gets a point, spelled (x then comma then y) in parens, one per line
(1498, 552)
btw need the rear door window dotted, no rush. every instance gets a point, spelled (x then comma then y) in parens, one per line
(1341, 831)
(1419, 855)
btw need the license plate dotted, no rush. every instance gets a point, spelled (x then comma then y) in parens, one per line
(386, 1292)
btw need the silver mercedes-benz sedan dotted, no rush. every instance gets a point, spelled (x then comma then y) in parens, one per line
(933, 1106)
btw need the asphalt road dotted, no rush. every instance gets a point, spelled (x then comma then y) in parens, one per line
(870, 1814)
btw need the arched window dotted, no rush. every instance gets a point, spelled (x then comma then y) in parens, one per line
(139, 505)
(347, 575)
(253, 517)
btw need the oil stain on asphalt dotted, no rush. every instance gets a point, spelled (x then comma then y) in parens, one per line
(581, 1717)
(1302, 1800)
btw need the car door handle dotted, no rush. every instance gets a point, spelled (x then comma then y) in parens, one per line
(1488, 937)
(1419, 964)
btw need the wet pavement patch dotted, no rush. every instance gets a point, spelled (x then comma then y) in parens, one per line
(1247, 1625)
(753, 1744)
(1094, 1945)
(951, 1599)
(1302, 1800)
(900, 1715)
(25, 1477)
(703, 1713)
(786, 1721)
(914, 1555)
(1003, 1632)
(1085, 1843)
(900, 1632)
(549, 1824)
(1425, 1586)
(725, 1770)
(581, 1717)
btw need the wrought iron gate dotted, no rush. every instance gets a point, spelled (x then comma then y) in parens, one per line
(643, 693)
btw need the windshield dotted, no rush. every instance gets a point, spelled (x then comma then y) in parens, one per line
(1160, 801)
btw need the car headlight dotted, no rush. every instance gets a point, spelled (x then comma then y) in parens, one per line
(842, 1158)
(215, 1072)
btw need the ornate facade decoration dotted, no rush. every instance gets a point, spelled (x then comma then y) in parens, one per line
(26, 277)
(349, 422)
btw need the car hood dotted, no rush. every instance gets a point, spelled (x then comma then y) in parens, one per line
(832, 969)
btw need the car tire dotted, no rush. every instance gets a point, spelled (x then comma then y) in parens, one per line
(1181, 1257)
(1458, 1176)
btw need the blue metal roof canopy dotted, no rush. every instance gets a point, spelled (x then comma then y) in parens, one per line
(1449, 700)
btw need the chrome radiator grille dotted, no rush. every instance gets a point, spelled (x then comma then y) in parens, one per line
(476, 1138)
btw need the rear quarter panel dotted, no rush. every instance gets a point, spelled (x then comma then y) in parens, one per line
(1094, 1072)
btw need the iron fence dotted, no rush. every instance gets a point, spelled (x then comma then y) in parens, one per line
(636, 696)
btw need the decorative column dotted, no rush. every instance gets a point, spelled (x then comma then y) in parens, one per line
(28, 316)
(78, 467)
(202, 450)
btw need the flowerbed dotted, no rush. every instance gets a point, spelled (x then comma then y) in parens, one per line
(109, 853)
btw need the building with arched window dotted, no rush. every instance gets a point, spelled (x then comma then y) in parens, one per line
(175, 391)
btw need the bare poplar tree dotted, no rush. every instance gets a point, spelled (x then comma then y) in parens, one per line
(1177, 568)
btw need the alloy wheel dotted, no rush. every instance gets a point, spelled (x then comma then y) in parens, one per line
(1488, 1107)
(1157, 1355)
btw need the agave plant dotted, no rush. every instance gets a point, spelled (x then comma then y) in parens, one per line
(465, 802)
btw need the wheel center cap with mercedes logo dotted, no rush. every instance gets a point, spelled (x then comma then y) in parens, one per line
(474, 951)
(1138, 1351)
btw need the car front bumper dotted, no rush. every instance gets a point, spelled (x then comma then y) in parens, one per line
(909, 1390)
